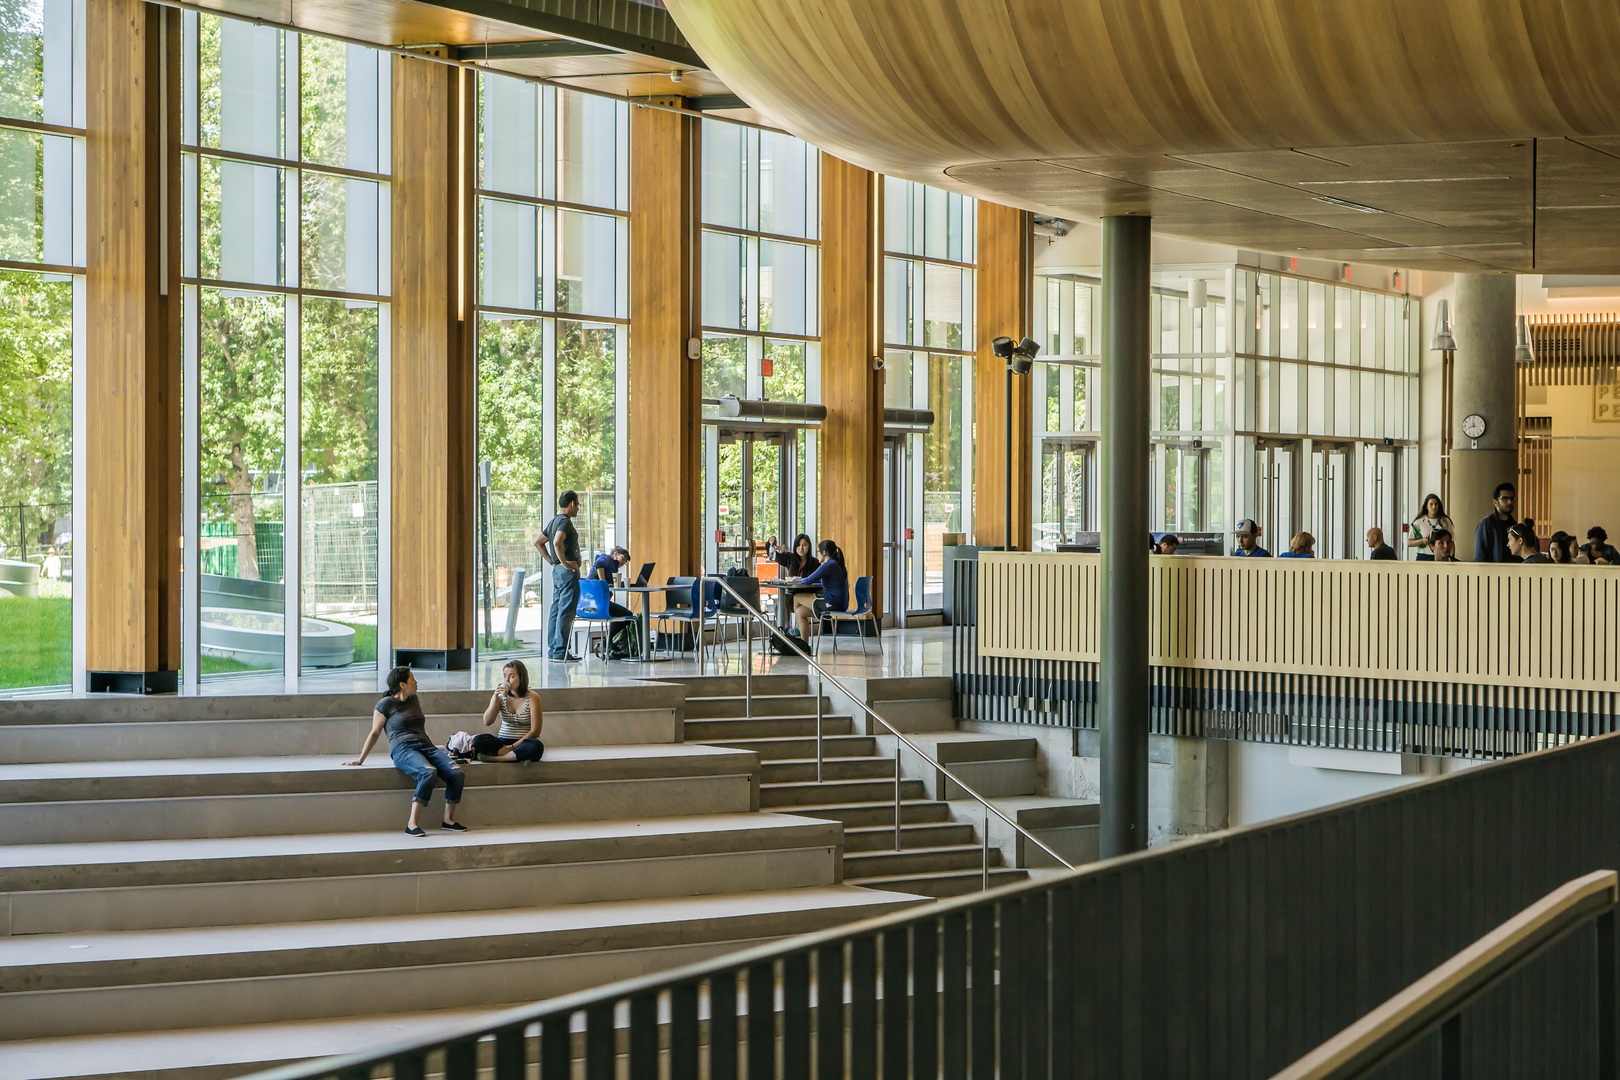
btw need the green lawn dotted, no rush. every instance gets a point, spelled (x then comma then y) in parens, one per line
(36, 641)
(36, 644)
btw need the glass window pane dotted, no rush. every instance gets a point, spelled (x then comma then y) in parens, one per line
(725, 168)
(785, 168)
(944, 307)
(898, 208)
(1083, 343)
(587, 262)
(511, 136)
(936, 223)
(339, 97)
(1169, 323)
(339, 521)
(899, 281)
(897, 385)
(36, 61)
(1316, 321)
(243, 104)
(725, 366)
(586, 425)
(242, 238)
(784, 370)
(588, 148)
(341, 228)
(36, 482)
(242, 351)
(510, 275)
(36, 197)
(723, 297)
(945, 486)
(1290, 319)
(787, 275)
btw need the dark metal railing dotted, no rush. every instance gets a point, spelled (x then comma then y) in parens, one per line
(1437, 1000)
(1231, 955)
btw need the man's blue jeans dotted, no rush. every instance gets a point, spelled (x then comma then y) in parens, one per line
(425, 764)
(564, 599)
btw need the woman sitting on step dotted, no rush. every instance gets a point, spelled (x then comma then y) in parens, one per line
(518, 708)
(414, 754)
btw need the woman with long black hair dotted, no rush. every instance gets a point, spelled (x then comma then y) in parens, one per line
(1430, 518)
(834, 581)
(400, 715)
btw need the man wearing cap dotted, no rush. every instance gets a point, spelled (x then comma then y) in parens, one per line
(1248, 541)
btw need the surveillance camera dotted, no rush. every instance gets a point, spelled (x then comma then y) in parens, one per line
(877, 363)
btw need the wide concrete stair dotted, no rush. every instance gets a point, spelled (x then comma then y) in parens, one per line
(174, 901)
(933, 855)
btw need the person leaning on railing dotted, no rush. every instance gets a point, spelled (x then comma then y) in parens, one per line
(1561, 547)
(1248, 541)
(1523, 545)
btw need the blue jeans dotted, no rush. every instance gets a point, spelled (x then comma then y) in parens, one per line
(564, 599)
(425, 764)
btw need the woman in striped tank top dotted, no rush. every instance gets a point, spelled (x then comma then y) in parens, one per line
(518, 709)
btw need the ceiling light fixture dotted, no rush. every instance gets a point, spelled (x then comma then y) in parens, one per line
(1347, 204)
(1521, 328)
(1443, 341)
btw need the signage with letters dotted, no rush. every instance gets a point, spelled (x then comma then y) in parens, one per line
(1606, 402)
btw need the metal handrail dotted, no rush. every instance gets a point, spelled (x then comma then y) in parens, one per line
(748, 691)
(1437, 999)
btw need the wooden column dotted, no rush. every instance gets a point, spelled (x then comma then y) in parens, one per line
(1006, 263)
(665, 385)
(129, 538)
(432, 349)
(852, 436)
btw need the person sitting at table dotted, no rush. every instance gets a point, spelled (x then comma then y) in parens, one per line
(605, 567)
(798, 562)
(834, 582)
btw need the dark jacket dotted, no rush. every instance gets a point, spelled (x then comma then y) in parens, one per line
(795, 565)
(1382, 551)
(1491, 540)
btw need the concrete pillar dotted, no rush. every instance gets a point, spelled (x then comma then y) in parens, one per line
(1123, 692)
(1482, 382)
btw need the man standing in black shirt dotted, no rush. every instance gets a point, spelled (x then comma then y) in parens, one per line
(559, 546)
(1491, 536)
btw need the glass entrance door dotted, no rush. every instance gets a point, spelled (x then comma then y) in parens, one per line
(751, 494)
(1330, 472)
(1277, 469)
(1382, 498)
(902, 578)
(1068, 479)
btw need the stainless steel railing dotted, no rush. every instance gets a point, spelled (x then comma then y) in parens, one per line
(740, 603)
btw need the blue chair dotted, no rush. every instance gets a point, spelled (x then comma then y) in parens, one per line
(863, 613)
(685, 607)
(594, 610)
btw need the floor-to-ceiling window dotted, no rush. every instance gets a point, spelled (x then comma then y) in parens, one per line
(41, 287)
(1189, 317)
(1064, 389)
(928, 337)
(1326, 409)
(553, 192)
(761, 289)
(285, 143)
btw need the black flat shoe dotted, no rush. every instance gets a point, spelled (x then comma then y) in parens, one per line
(414, 832)
(452, 826)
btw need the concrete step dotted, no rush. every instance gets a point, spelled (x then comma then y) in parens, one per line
(94, 781)
(727, 730)
(718, 782)
(772, 796)
(941, 886)
(52, 889)
(714, 708)
(832, 768)
(912, 835)
(734, 685)
(781, 748)
(84, 730)
(875, 813)
(1067, 826)
(993, 765)
(860, 865)
(143, 981)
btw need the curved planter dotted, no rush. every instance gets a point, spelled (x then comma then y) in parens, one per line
(255, 637)
(19, 578)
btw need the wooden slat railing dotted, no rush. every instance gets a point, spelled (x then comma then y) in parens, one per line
(1461, 623)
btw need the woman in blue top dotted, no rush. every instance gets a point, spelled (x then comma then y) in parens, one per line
(834, 582)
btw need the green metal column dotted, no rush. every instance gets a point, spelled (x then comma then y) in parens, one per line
(1124, 690)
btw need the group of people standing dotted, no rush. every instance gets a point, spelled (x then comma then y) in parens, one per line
(1501, 537)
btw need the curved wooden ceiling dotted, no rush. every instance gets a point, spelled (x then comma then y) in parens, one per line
(1455, 134)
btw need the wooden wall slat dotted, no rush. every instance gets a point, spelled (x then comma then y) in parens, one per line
(1467, 623)
(1003, 286)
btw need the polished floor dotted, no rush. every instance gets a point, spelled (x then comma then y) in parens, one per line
(905, 653)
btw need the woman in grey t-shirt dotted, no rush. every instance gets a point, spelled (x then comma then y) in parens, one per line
(400, 715)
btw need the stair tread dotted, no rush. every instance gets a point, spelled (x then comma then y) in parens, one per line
(302, 845)
(810, 809)
(929, 849)
(888, 881)
(326, 763)
(64, 952)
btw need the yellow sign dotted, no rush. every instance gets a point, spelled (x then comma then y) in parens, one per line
(1606, 403)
